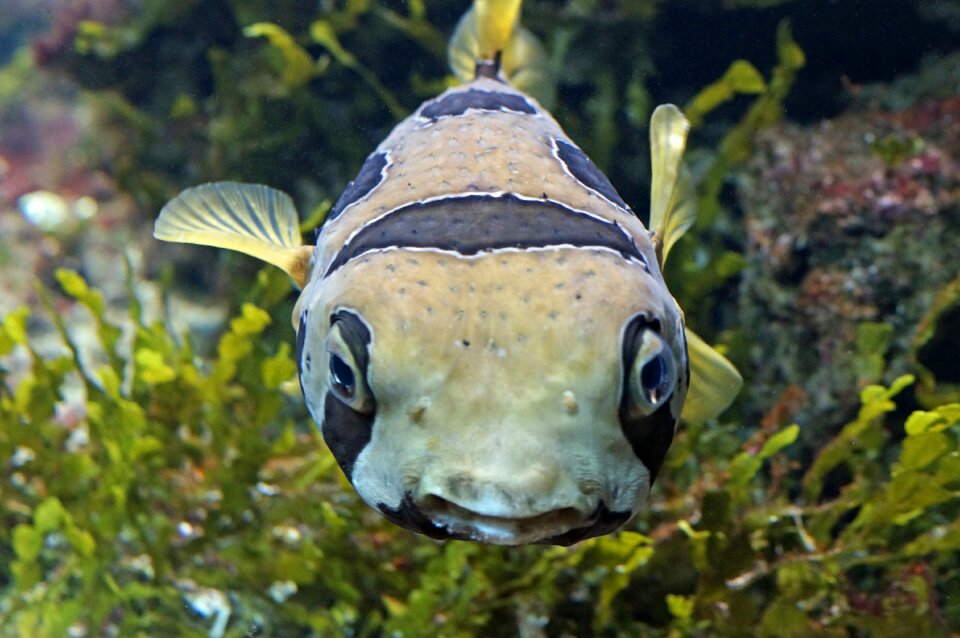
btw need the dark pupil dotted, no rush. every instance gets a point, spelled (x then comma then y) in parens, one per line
(342, 376)
(653, 373)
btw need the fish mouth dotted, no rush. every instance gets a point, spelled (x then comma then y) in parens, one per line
(439, 518)
(501, 530)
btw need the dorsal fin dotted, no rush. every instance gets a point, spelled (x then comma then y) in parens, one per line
(672, 200)
(249, 218)
(489, 41)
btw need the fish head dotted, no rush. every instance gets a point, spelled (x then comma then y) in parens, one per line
(509, 397)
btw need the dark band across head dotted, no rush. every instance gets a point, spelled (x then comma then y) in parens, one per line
(473, 224)
(460, 102)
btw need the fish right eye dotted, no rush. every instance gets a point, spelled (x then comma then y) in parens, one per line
(346, 370)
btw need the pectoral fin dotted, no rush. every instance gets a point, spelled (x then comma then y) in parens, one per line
(249, 218)
(714, 382)
(672, 199)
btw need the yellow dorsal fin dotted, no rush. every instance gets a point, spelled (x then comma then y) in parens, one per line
(490, 32)
(496, 23)
(249, 218)
(714, 382)
(672, 200)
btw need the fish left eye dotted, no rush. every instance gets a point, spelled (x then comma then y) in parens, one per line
(653, 375)
(342, 378)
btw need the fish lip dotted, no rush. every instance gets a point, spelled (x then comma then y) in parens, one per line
(504, 530)
(501, 530)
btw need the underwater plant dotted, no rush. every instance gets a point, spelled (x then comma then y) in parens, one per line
(152, 486)
(151, 491)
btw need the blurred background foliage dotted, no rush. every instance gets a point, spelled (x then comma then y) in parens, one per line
(167, 481)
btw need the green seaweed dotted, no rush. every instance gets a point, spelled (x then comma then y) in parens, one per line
(193, 497)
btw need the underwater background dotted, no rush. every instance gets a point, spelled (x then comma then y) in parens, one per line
(160, 475)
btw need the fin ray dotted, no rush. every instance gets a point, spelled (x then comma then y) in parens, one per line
(714, 381)
(248, 218)
(672, 199)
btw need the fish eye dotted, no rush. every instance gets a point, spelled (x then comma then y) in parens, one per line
(346, 368)
(653, 375)
(342, 379)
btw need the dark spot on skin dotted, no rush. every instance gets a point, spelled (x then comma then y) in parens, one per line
(649, 436)
(587, 172)
(370, 176)
(462, 101)
(346, 431)
(477, 223)
(466, 344)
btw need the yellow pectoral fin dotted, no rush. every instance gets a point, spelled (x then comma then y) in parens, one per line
(672, 199)
(714, 382)
(249, 218)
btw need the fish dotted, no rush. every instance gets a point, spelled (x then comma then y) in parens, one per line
(484, 336)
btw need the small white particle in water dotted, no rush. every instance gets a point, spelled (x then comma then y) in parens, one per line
(85, 207)
(21, 456)
(570, 402)
(43, 208)
(287, 534)
(189, 531)
(282, 590)
(78, 439)
(207, 602)
(267, 490)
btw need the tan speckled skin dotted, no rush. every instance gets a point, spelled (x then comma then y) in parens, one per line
(482, 152)
(497, 377)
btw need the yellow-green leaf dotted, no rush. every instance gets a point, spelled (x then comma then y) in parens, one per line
(152, 369)
(298, 66)
(27, 542)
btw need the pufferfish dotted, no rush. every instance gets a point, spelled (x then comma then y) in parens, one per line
(484, 336)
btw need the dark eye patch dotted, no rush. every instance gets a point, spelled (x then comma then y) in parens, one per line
(346, 431)
(649, 436)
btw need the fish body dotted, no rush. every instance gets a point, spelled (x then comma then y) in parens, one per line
(484, 335)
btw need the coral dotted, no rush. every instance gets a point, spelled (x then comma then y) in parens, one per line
(852, 222)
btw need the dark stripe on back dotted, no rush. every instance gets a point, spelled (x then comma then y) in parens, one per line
(587, 173)
(458, 104)
(346, 431)
(649, 436)
(369, 177)
(477, 223)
